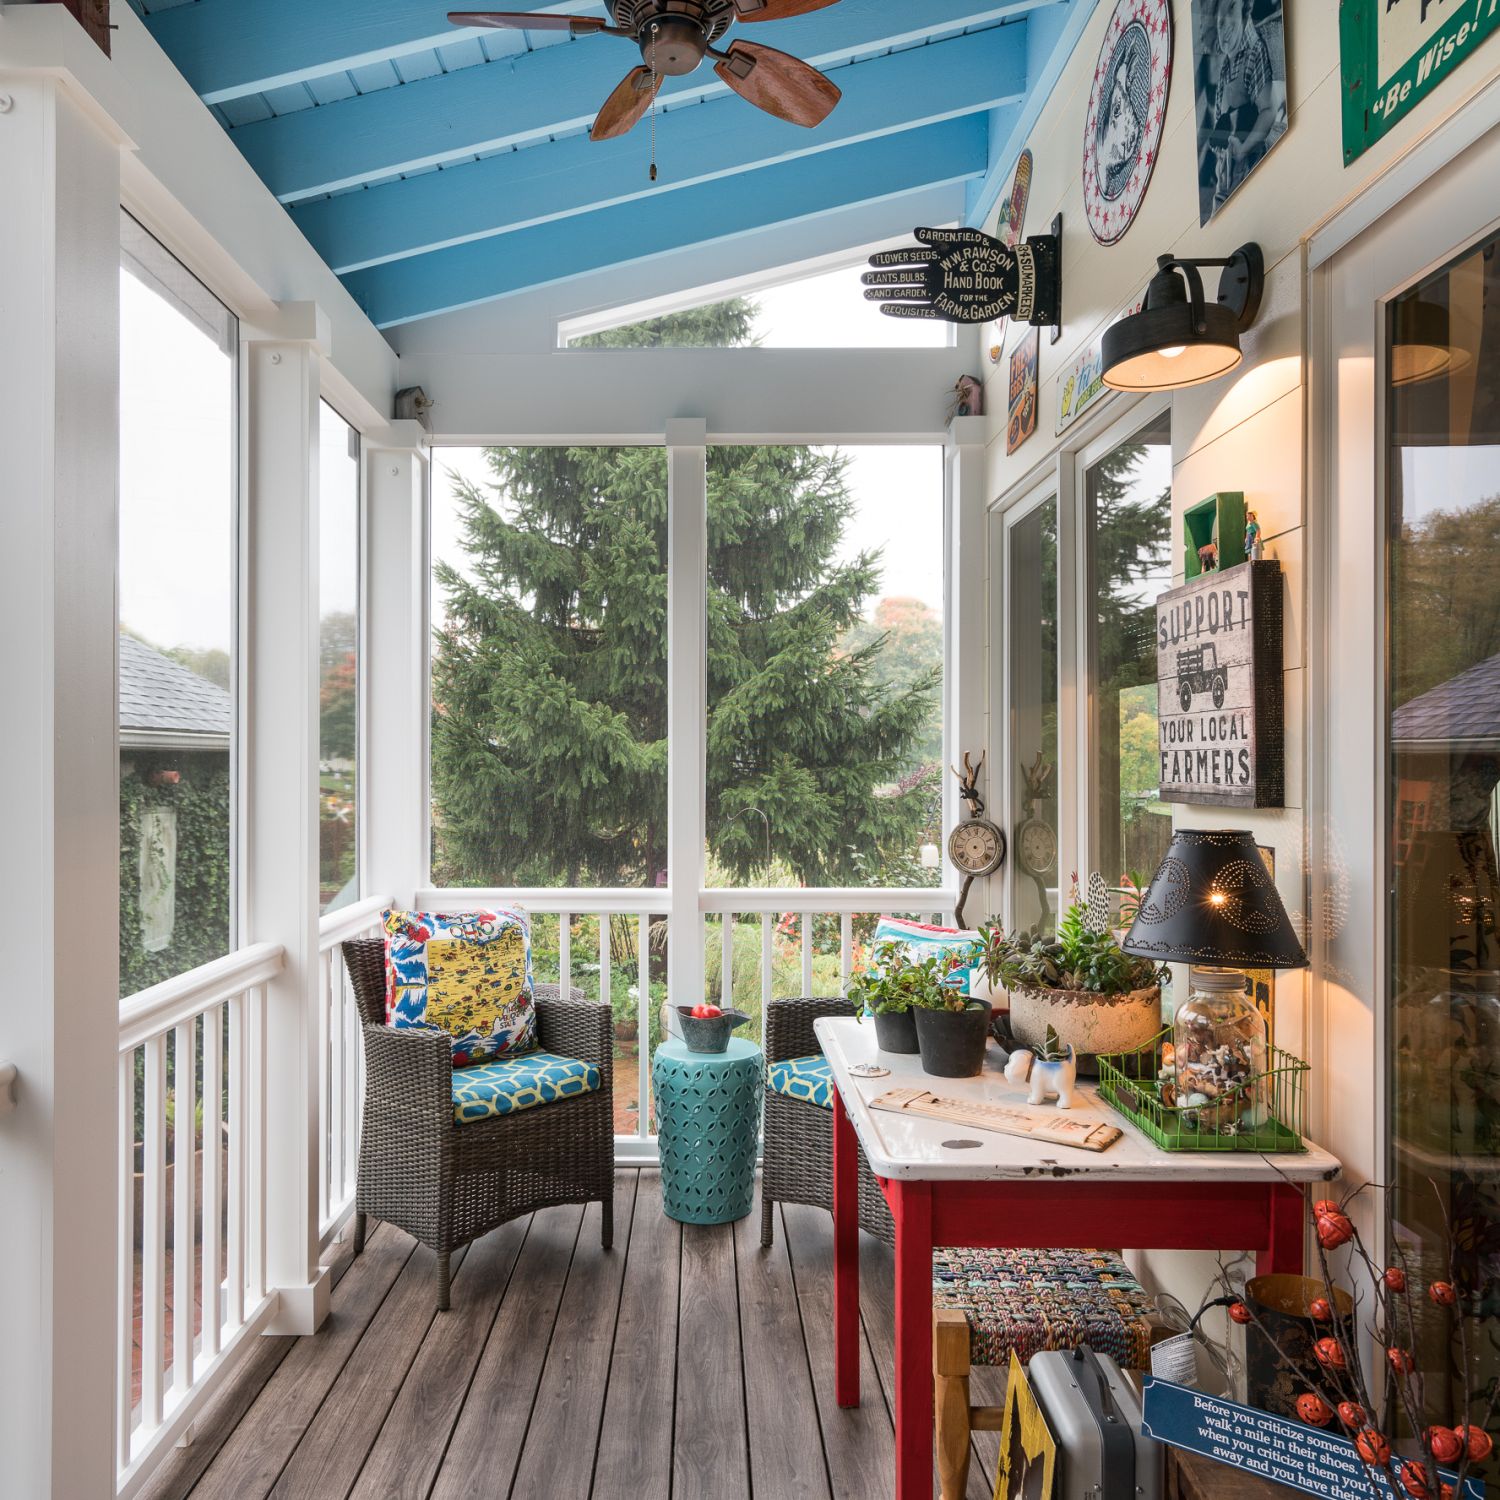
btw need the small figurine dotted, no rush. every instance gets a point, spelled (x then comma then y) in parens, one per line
(1208, 556)
(1051, 1071)
(1252, 537)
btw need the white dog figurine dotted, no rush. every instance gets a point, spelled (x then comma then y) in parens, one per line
(1046, 1078)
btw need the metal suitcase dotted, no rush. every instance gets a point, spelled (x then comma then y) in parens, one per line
(1094, 1414)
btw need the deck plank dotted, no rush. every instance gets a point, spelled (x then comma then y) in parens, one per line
(786, 1445)
(710, 1448)
(635, 1439)
(558, 1458)
(860, 1442)
(252, 1459)
(405, 1458)
(183, 1467)
(332, 1451)
(480, 1462)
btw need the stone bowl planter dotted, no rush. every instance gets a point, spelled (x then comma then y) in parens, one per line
(1085, 1021)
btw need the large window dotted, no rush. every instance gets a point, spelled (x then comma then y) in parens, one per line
(1032, 645)
(1443, 809)
(177, 610)
(1128, 497)
(825, 666)
(338, 660)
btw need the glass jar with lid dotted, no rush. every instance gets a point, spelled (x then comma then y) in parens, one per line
(1219, 1053)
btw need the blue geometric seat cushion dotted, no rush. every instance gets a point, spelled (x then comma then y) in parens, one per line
(505, 1088)
(1033, 1300)
(804, 1078)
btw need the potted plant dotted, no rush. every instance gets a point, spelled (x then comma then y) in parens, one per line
(885, 990)
(1079, 982)
(952, 1027)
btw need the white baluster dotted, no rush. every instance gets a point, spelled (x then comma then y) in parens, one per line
(765, 962)
(213, 1185)
(154, 1235)
(643, 1011)
(333, 1128)
(846, 951)
(807, 953)
(564, 953)
(238, 1228)
(184, 1219)
(726, 960)
(125, 1314)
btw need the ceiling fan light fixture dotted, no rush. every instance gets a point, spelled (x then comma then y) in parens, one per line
(673, 46)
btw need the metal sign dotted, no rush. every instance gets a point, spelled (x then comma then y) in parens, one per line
(1395, 52)
(1310, 1459)
(1220, 688)
(963, 276)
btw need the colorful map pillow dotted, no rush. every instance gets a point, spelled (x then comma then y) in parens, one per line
(468, 974)
(923, 939)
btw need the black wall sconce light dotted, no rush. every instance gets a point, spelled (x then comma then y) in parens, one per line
(1179, 338)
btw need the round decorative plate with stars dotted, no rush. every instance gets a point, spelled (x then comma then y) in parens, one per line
(1127, 110)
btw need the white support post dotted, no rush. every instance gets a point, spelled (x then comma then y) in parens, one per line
(393, 757)
(965, 709)
(279, 738)
(687, 693)
(59, 482)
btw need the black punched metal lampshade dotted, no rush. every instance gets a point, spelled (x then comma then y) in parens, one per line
(1212, 902)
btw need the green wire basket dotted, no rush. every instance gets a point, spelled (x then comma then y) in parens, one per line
(1128, 1081)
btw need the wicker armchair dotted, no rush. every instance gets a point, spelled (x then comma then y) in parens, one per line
(797, 1161)
(447, 1184)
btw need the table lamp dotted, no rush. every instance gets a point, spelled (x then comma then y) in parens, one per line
(1213, 904)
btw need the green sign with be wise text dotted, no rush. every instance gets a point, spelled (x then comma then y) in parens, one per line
(1394, 52)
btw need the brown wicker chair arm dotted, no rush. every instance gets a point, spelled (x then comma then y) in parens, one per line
(409, 1073)
(789, 1025)
(575, 1028)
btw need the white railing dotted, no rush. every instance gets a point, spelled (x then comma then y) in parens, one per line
(642, 915)
(197, 1041)
(341, 1063)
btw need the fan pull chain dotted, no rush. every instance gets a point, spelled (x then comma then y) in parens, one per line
(655, 84)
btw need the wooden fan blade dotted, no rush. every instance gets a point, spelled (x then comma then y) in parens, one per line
(782, 85)
(626, 105)
(525, 20)
(777, 10)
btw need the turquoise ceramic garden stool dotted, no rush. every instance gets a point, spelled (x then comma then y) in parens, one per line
(708, 1126)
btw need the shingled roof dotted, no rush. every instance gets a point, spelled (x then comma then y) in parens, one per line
(1460, 714)
(167, 704)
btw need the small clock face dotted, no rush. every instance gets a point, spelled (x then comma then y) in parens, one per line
(1036, 846)
(976, 847)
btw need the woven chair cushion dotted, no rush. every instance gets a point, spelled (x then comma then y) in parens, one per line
(1032, 1300)
(804, 1078)
(517, 1083)
(468, 974)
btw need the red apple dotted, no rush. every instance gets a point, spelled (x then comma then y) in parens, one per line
(705, 1012)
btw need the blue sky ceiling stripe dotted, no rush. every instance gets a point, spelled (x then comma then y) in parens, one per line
(515, 191)
(727, 208)
(536, 95)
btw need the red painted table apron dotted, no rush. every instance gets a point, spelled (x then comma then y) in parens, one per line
(1195, 1210)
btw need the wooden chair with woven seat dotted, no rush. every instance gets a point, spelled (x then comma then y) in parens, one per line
(447, 1183)
(988, 1303)
(797, 1154)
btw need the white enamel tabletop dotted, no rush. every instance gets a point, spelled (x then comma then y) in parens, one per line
(910, 1146)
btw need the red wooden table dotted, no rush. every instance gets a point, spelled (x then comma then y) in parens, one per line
(1010, 1192)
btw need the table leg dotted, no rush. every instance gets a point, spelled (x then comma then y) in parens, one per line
(911, 1207)
(845, 1257)
(1288, 1232)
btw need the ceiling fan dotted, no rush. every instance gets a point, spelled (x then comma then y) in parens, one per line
(674, 37)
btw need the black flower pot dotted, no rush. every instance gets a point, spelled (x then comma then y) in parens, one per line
(896, 1032)
(952, 1041)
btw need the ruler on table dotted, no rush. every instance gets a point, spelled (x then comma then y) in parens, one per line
(1054, 1127)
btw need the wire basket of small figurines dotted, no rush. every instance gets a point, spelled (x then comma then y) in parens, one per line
(1265, 1112)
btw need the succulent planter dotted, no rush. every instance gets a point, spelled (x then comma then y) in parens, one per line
(896, 1032)
(708, 1033)
(952, 1042)
(1089, 1023)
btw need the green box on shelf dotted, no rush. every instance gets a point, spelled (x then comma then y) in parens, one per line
(1129, 1081)
(1218, 522)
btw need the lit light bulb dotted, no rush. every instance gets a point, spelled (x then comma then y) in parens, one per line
(1173, 352)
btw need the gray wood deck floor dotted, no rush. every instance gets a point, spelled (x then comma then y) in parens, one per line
(687, 1362)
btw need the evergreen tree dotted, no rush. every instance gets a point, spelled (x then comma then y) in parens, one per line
(549, 676)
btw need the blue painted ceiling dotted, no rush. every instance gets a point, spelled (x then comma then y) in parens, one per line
(435, 168)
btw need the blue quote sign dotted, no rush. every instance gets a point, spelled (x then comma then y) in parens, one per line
(1291, 1453)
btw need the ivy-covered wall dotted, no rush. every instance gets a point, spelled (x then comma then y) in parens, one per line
(201, 796)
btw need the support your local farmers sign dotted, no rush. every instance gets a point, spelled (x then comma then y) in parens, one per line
(1396, 51)
(1220, 688)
